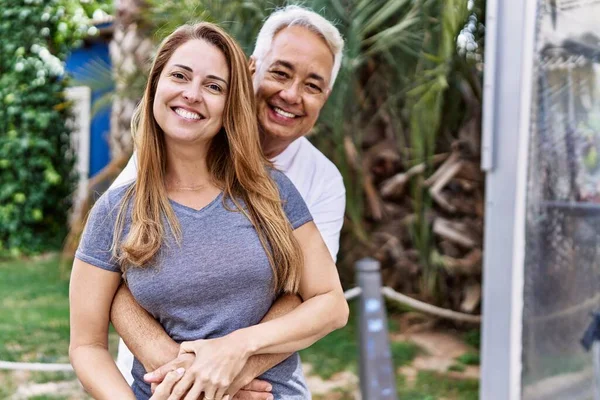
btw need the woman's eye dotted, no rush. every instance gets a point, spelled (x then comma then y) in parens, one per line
(215, 87)
(177, 75)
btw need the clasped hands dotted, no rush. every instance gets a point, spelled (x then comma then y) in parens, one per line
(211, 368)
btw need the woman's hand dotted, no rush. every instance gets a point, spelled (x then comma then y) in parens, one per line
(217, 363)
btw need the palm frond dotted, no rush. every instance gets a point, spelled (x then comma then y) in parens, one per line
(96, 73)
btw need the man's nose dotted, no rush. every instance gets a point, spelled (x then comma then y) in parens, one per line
(291, 93)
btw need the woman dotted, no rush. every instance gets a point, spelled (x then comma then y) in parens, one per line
(206, 237)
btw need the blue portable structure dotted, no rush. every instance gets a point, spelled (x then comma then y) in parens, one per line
(90, 65)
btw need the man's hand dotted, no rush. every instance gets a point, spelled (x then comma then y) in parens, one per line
(255, 390)
(246, 386)
(183, 361)
(163, 391)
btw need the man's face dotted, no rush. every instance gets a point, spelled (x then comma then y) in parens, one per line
(292, 84)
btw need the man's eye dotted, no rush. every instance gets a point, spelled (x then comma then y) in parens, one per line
(314, 88)
(280, 74)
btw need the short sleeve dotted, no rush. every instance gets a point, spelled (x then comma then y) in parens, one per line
(293, 204)
(96, 240)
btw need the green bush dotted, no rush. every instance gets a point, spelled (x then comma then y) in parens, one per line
(469, 358)
(36, 162)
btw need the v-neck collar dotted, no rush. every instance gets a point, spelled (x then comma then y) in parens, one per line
(194, 212)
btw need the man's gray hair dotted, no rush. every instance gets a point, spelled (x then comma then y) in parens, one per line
(299, 16)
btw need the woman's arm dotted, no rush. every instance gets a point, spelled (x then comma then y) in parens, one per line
(90, 296)
(323, 310)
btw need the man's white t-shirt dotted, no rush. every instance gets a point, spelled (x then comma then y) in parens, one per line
(317, 179)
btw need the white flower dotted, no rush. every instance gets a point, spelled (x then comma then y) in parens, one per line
(44, 53)
(19, 66)
(92, 31)
(99, 14)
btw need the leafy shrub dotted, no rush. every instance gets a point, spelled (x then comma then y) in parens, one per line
(36, 162)
(469, 358)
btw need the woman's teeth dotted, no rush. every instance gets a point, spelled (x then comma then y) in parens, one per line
(187, 114)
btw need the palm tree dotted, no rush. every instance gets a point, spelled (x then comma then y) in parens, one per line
(130, 50)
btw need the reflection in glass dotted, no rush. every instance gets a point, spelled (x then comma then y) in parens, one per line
(562, 259)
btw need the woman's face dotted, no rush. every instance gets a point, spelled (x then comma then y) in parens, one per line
(191, 93)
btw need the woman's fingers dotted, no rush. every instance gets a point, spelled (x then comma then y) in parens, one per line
(163, 390)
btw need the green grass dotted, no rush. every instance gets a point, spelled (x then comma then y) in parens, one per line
(403, 353)
(34, 320)
(7, 385)
(44, 377)
(432, 386)
(34, 327)
(338, 351)
(34, 316)
(469, 358)
(473, 338)
(457, 367)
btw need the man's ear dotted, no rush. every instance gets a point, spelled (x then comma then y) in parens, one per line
(252, 65)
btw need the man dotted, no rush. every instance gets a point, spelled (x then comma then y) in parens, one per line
(295, 62)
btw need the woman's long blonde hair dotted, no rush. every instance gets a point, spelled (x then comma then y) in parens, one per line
(235, 161)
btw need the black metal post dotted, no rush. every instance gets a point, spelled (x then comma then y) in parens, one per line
(377, 380)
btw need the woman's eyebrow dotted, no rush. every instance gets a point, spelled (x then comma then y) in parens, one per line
(217, 78)
(208, 76)
(184, 67)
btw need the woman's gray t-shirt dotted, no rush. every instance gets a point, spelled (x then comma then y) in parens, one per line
(216, 281)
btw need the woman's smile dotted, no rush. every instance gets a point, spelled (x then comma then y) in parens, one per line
(187, 114)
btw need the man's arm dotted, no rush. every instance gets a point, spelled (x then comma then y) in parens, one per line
(128, 174)
(142, 334)
(328, 213)
(151, 345)
(257, 365)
